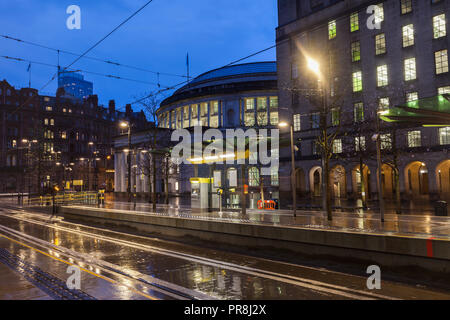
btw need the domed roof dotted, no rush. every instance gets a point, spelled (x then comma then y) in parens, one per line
(237, 69)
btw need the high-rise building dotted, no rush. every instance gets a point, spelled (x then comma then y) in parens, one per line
(371, 55)
(74, 85)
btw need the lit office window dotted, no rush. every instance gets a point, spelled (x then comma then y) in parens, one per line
(274, 179)
(337, 146)
(439, 26)
(354, 22)
(410, 69)
(204, 114)
(380, 44)
(412, 96)
(358, 110)
(414, 139)
(406, 6)
(383, 103)
(253, 177)
(249, 115)
(173, 118)
(408, 35)
(297, 122)
(274, 118)
(356, 51)
(179, 123)
(186, 117)
(357, 81)
(441, 58)
(214, 117)
(360, 144)
(332, 31)
(444, 136)
(444, 90)
(273, 104)
(262, 111)
(386, 141)
(382, 76)
(194, 115)
(379, 13)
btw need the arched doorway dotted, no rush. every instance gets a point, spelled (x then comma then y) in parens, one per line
(416, 179)
(338, 181)
(388, 181)
(300, 181)
(315, 179)
(443, 179)
(359, 188)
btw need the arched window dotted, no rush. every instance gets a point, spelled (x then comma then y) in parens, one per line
(253, 177)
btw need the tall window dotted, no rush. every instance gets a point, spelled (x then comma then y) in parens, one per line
(360, 144)
(444, 136)
(337, 146)
(408, 35)
(262, 111)
(382, 76)
(253, 177)
(214, 117)
(380, 44)
(410, 69)
(332, 32)
(356, 51)
(273, 103)
(383, 103)
(274, 180)
(439, 26)
(186, 117)
(204, 114)
(441, 58)
(386, 141)
(379, 13)
(358, 112)
(315, 120)
(249, 117)
(354, 22)
(194, 115)
(335, 116)
(406, 6)
(357, 81)
(297, 122)
(414, 139)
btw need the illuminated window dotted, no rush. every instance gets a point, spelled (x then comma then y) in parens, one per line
(386, 141)
(382, 76)
(337, 146)
(406, 6)
(383, 103)
(408, 35)
(441, 58)
(414, 139)
(444, 90)
(194, 115)
(297, 122)
(379, 13)
(332, 29)
(439, 26)
(412, 96)
(274, 179)
(410, 69)
(335, 116)
(354, 22)
(186, 116)
(253, 177)
(360, 144)
(444, 136)
(380, 44)
(357, 81)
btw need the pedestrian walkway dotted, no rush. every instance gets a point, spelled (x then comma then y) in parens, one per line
(364, 222)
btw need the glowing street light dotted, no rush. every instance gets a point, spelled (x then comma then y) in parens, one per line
(314, 66)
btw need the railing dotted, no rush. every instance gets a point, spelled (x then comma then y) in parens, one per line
(67, 199)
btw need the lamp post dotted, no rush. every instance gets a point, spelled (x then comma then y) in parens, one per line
(125, 124)
(293, 174)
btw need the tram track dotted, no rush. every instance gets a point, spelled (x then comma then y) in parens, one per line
(325, 288)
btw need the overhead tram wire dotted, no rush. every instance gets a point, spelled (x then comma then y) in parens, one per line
(93, 58)
(87, 51)
(80, 70)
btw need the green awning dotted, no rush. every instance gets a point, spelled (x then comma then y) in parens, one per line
(433, 111)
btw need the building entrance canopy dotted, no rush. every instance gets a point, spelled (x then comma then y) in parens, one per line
(433, 111)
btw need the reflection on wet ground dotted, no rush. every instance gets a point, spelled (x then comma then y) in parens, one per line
(213, 273)
(353, 222)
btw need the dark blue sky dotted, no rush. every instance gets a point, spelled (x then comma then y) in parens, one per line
(214, 32)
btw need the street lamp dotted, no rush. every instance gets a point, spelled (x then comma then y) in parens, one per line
(293, 174)
(377, 139)
(125, 124)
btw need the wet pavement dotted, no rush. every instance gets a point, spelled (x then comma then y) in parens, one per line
(118, 265)
(363, 222)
